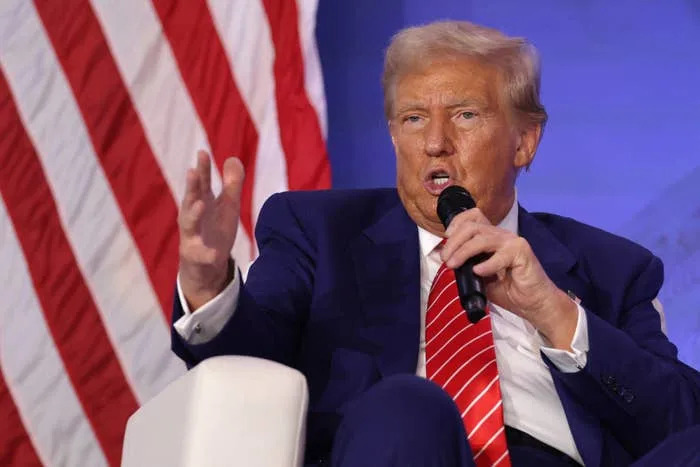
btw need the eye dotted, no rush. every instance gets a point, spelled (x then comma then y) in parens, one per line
(412, 119)
(467, 115)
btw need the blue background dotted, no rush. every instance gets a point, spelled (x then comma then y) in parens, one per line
(620, 83)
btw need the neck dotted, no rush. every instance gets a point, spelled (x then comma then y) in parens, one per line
(501, 210)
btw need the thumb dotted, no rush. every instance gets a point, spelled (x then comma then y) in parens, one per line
(233, 177)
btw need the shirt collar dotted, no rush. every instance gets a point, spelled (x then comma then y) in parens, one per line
(429, 241)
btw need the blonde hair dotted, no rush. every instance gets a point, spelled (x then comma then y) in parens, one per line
(515, 57)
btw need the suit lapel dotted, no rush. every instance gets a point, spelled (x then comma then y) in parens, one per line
(555, 258)
(387, 269)
(558, 261)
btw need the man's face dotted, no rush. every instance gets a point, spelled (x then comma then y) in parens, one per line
(451, 126)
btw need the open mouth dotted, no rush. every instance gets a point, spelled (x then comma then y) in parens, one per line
(440, 179)
(436, 181)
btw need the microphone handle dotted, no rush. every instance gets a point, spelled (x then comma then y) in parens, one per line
(471, 289)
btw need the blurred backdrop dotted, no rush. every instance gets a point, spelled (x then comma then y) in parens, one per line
(621, 149)
(103, 105)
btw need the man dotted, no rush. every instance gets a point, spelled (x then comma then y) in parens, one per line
(354, 288)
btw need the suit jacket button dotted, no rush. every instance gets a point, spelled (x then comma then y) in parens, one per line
(629, 397)
(608, 380)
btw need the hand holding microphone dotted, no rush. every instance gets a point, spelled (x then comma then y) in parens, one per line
(491, 261)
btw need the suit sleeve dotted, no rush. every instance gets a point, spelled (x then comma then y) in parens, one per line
(274, 301)
(633, 381)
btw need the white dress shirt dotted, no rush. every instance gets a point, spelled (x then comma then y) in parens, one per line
(530, 400)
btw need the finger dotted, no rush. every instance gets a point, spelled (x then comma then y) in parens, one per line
(480, 243)
(499, 261)
(191, 219)
(204, 171)
(470, 215)
(470, 230)
(233, 177)
(466, 231)
(192, 192)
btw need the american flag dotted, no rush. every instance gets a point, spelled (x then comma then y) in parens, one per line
(103, 105)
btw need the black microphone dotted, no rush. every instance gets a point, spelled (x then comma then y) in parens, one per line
(453, 200)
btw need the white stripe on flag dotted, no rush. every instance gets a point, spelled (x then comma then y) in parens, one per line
(313, 75)
(135, 37)
(245, 34)
(33, 370)
(102, 244)
(139, 47)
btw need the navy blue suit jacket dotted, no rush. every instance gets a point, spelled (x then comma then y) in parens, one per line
(335, 294)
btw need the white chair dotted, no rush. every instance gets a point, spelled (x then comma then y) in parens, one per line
(227, 411)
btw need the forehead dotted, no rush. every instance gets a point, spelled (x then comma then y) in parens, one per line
(449, 82)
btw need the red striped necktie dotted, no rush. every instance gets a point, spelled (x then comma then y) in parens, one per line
(461, 358)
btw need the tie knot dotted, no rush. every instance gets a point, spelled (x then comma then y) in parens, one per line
(435, 252)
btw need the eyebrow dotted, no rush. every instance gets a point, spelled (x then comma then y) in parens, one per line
(421, 106)
(467, 103)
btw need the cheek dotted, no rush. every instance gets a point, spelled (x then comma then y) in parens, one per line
(485, 165)
(486, 151)
(409, 142)
(404, 172)
(408, 158)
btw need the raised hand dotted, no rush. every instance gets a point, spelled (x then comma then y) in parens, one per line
(208, 226)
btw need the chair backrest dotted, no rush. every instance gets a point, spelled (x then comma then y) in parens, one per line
(227, 411)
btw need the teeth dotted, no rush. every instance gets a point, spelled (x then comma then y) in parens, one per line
(441, 180)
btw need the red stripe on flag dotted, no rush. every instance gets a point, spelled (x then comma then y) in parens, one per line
(308, 167)
(68, 307)
(15, 446)
(204, 67)
(119, 140)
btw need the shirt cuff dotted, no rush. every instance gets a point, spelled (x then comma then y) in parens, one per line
(571, 362)
(205, 323)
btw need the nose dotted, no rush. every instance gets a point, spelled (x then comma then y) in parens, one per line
(438, 138)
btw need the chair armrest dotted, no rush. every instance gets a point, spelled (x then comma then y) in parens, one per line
(226, 411)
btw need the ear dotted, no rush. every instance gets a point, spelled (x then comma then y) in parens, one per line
(528, 140)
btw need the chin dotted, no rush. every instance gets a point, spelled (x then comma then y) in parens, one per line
(429, 215)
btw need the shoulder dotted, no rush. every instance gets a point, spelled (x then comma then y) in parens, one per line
(333, 209)
(371, 199)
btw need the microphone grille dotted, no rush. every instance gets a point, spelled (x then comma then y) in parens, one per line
(453, 200)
